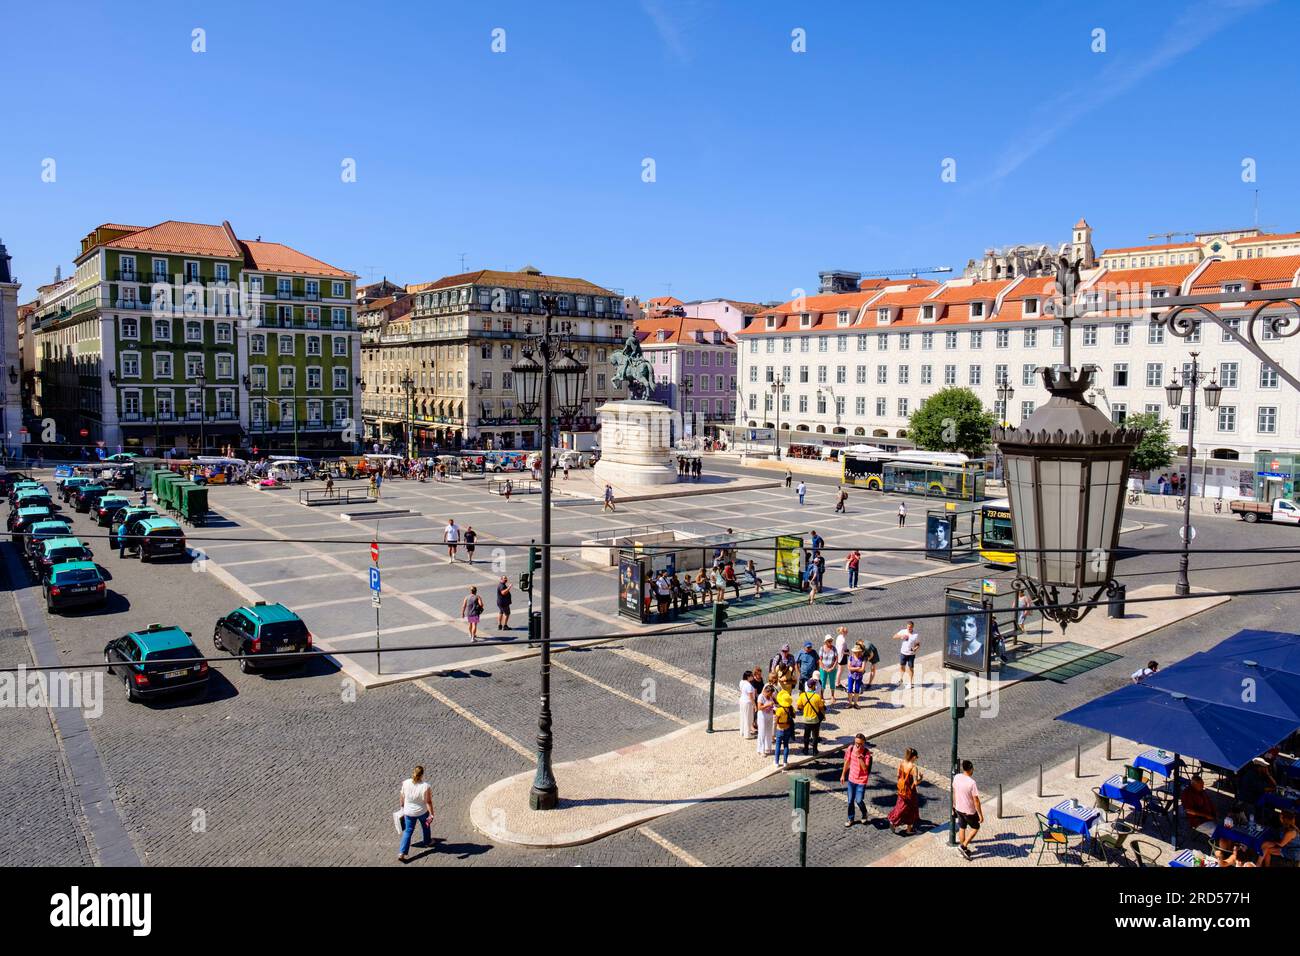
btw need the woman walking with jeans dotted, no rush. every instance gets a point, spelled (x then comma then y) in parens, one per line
(417, 807)
(855, 774)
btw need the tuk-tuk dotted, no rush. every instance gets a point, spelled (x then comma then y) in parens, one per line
(213, 470)
(289, 468)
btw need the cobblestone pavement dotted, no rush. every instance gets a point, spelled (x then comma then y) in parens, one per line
(303, 767)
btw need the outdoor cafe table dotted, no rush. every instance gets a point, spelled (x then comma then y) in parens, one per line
(1249, 834)
(1283, 798)
(1156, 761)
(1074, 819)
(1188, 858)
(1131, 792)
(1287, 768)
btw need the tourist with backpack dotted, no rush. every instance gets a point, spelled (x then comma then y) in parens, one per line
(471, 609)
(812, 710)
(855, 774)
(783, 720)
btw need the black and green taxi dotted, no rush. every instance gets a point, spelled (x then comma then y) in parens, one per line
(126, 517)
(156, 538)
(71, 484)
(263, 635)
(60, 550)
(33, 496)
(84, 498)
(75, 584)
(43, 531)
(18, 487)
(107, 507)
(21, 520)
(156, 661)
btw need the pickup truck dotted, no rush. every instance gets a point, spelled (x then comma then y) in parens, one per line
(1282, 510)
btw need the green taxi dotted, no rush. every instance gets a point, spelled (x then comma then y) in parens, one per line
(156, 538)
(108, 507)
(264, 635)
(43, 531)
(21, 520)
(156, 661)
(54, 551)
(75, 584)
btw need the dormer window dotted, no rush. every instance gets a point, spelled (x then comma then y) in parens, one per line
(1234, 287)
(805, 320)
(1159, 293)
(882, 316)
(927, 313)
(661, 335)
(977, 310)
(1031, 307)
(771, 321)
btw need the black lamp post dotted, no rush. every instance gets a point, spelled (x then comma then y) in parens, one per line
(1066, 471)
(1005, 393)
(687, 386)
(203, 410)
(559, 372)
(407, 382)
(1174, 398)
(778, 388)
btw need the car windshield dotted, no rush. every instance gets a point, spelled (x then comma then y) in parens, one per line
(77, 576)
(284, 630)
(65, 554)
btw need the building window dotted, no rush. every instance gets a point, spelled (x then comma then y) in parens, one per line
(977, 310)
(131, 405)
(1267, 377)
(882, 342)
(927, 374)
(162, 365)
(224, 333)
(1058, 337)
(1031, 308)
(1002, 338)
(862, 343)
(977, 338)
(1118, 412)
(1155, 374)
(881, 409)
(257, 376)
(162, 403)
(286, 378)
(313, 345)
(1026, 409)
(286, 344)
(130, 328)
(1000, 374)
(950, 340)
(225, 366)
(1090, 335)
(904, 374)
(257, 344)
(1228, 374)
(1122, 330)
(1155, 333)
(340, 345)
(904, 341)
(821, 374)
(902, 408)
(860, 405)
(1266, 420)
(803, 403)
(841, 375)
(340, 379)
(823, 344)
(487, 380)
(882, 374)
(950, 375)
(1027, 373)
(1031, 338)
(130, 364)
(927, 341)
(1227, 418)
(162, 330)
(1119, 375)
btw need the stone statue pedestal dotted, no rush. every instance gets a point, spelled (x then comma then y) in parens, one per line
(635, 444)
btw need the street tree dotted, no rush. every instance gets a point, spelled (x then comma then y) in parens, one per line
(952, 419)
(1155, 451)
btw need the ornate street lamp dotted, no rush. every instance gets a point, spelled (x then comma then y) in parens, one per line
(559, 378)
(1066, 471)
(778, 388)
(1174, 398)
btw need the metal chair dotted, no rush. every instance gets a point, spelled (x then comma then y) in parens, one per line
(1145, 854)
(1110, 839)
(1133, 773)
(1057, 837)
(1102, 803)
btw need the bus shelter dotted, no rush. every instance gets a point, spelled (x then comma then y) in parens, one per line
(951, 533)
(778, 554)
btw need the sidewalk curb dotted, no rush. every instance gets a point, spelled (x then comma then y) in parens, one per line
(485, 819)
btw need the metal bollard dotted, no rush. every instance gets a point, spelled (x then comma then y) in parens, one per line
(999, 801)
(1109, 739)
(1078, 761)
(1040, 781)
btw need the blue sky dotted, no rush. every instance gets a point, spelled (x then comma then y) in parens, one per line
(769, 164)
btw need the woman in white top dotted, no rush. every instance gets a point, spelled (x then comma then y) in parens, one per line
(842, 651)
(748, 698)
(417, 807)
(766, 720)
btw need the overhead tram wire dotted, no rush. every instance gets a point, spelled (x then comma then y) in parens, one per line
(676, 632)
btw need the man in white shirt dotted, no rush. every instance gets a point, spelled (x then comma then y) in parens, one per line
(1142, 673)
(910, 643)
(451, 535)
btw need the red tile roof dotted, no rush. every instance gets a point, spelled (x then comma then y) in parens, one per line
(184, 238)
(1163, 247)
(514, 280)
(1270, 270)
(275, 257)
(1268, 237)
(679, 330)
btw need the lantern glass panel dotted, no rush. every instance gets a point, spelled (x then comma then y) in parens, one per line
(1104, 508)
(1020, 485)
(1061, 491)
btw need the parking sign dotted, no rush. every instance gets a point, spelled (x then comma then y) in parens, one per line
(374, 580)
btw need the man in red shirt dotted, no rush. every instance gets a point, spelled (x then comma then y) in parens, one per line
(1197, 804)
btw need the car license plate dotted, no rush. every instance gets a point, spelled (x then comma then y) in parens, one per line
(286, 649)
(80, 590)
(177, 673)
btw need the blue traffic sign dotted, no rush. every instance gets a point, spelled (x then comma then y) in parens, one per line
(374, 580)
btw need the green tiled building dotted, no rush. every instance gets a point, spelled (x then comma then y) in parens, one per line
(182, 335)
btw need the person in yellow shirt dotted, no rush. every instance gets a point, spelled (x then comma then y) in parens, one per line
(784, 721)
(812, 709)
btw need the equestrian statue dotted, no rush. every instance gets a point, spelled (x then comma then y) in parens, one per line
(633, 369)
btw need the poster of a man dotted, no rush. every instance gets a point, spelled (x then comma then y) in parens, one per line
(966, 644)
(630, 596)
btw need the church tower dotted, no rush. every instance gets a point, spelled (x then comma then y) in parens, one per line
(1081, 244)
